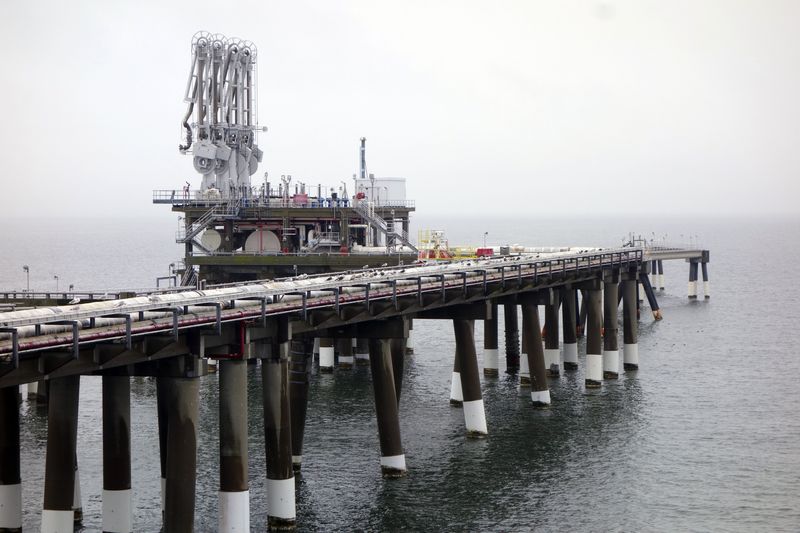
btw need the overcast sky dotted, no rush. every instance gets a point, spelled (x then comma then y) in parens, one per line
(541, 107)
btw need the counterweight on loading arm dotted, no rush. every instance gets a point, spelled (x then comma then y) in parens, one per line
(221, 92)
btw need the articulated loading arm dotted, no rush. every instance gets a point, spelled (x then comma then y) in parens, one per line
(221, 94)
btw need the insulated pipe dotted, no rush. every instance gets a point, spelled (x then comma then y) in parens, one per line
(117, 494)
(706, 286)
(630, 347)
(326, 355)
(512, 338)
(62, 432)
(490, 353)
(281, 510)
(569, 330)
(234, 485)
(474, 412)
(10, 479)
(594, 342)
(456, 395)
(346, 358)
(610, 330)
(398, 350)
(182, 412)
(393, 460)
(540, 393)
(298, 396)
(552, 354)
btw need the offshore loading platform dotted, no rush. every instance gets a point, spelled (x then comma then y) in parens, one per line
(237, 230)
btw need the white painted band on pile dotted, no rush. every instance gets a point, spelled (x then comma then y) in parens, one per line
(58, 521)
(118, 511)
(571, 353)
(280, 498)
(552, 356)
(475, 416)
(326, 356)
(234, 512)
(11, 506)
(541, 396)
(630, 353)
(398, 462)
(594, 367)
(611, 361)
(455, 387)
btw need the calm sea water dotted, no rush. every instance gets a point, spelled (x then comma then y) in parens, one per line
(705, 436)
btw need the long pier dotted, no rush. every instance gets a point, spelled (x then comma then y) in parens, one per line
(175, 335)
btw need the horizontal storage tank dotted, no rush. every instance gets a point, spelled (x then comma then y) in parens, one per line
(262, 240)
(211, 240)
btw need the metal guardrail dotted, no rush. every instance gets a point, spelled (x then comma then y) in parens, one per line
(505, 269)
(195, 198)
(59, 295)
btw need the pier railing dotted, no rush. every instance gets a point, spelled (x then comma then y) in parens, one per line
(250, 300)
(196, 198)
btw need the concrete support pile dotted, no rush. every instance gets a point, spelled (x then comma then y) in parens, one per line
(393, 460)
(594, 341)
(299, 369)
(491, 362)
(182, 411)
(281, 510)
(692, 288)
(456, 394)
(117, 493)
(610, 329)
(524, 366)
(512, 338)
(474, 413)
(630, 325)
(234, 485)
(326, 354)
(540, 393)
(569, 316)
(62, 432)
(10, 479)
(346, 357)
(552, 354)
